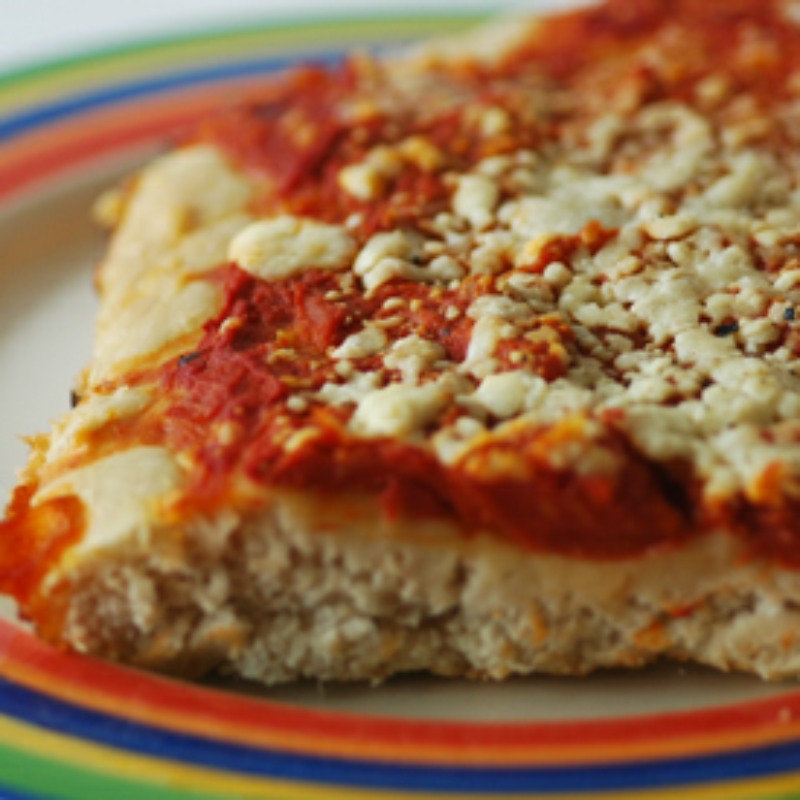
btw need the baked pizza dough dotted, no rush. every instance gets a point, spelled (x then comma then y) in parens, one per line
(480, 360)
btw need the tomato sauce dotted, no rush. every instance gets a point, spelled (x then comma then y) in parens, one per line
(34, 539)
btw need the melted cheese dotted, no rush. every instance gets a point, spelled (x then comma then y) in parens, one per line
(273, 249)
(366, 342)
(412, 355)
(399, 410)
(170, 227)
(151, 319)
(171, 201)
(123, 494)
(69, 436)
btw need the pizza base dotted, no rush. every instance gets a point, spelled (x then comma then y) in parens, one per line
(325, 588)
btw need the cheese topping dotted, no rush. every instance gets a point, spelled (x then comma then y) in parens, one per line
(274, 249)
(153, 318)
(123, 493)
(69, 437)
(169, 228)
(171, 200)
(399, 410)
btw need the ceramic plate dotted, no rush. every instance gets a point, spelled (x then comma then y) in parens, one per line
(73, 727)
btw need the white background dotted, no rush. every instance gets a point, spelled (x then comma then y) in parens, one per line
(33, 30)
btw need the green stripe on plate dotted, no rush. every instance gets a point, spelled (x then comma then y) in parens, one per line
(280, 31)
(55, 780)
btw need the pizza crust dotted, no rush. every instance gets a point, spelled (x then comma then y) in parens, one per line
(326, 587)
(328, 590)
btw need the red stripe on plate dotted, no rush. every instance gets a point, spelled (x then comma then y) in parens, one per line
(52, 150)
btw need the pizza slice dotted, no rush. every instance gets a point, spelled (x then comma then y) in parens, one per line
(479, 361)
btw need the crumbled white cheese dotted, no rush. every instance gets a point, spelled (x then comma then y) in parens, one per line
(689, 141)
(367, 179)
(277, 248)
(671, 227)
(412, 355)
(366, 342)
(569, 208)
(724, 266)
(357, 386)
(702, 348)
(666, 303)
(494, 166)
(530, 287)
(787, 280)
(399, 254)
(297, 403)
(363, 180)
(499, 306)
(563, 398)
(443, 268)
(662, 432)
(422, 153)
(742, 184)
(487, 333)
(757, 333)
(386, 270)
(675, 323)
(398, 245)
(577, 293)
(506, 394)
(492, 252)
(475, 200)
(493, 120)
(557, 274)
(399, 410)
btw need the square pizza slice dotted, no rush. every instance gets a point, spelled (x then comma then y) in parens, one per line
(480, 361)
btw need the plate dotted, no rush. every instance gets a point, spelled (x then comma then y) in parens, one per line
(76, 728)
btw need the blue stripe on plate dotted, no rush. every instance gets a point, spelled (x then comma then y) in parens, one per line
(105, 729)
(37, 116)
(9, 794)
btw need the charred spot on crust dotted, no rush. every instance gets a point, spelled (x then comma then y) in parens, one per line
(187, 358)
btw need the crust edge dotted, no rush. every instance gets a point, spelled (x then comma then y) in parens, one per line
(312, 590)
